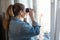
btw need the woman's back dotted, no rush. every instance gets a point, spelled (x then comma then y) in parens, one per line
(15, 30)
(19, 30)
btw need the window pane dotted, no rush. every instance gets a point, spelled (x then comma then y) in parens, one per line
(43, 12)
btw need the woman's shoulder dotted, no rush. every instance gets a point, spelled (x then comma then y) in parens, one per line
(16, 22)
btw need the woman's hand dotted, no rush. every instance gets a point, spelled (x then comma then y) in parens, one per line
(31, 14)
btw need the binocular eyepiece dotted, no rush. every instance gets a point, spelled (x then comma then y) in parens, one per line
(27, 10)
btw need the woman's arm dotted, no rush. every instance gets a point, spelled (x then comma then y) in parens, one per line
(29, 31)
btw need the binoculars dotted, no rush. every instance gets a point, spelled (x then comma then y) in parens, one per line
(27, 10)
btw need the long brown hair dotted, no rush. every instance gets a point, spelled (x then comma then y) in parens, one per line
(12, 10)
(8, 14)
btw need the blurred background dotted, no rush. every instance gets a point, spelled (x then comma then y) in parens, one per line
(46, 13)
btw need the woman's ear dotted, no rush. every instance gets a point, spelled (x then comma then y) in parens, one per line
(20, 13)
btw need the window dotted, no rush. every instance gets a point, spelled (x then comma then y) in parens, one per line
(43, 12)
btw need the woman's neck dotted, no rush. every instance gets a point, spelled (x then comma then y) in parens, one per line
(19, 17)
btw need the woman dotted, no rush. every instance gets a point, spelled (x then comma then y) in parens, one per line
(18, 29)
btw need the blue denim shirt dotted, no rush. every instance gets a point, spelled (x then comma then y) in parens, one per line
(19, 30)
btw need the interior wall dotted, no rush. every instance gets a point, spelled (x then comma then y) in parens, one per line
(5, 4)
(0, 6)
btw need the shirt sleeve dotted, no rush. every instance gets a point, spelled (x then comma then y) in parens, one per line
(29, 31)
